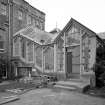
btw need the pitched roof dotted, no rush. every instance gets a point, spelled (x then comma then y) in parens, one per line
(69, 24)
(33, 33)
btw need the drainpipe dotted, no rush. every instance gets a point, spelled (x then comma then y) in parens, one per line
(65, 55)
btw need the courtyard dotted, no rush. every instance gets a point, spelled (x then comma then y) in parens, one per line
(47, 96)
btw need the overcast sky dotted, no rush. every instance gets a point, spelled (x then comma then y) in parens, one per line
(90, 13)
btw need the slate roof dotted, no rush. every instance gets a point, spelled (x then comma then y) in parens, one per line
(36, 35)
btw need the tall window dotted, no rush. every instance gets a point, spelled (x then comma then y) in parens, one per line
(37, 24)
(30, 51)
(1, 43)
(29, 19)
(23, 48)
(34, 22)
(3, 9)
(41, 26)
(20, 15)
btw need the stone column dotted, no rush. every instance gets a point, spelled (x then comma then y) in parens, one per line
(65, 53)
(19, 46)
(42, 60)
(16, 71)
(33, 53)
(26, 50)
(80, 54)
(55, 57)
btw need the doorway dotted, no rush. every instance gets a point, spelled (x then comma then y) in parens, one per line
(69, 63)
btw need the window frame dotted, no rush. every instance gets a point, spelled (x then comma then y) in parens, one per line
(29, 19)
(2, 48)
(20, 15)
(23, 48)
(3, 9)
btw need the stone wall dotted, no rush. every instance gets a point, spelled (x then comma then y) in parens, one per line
(37, 17)
(49, 59)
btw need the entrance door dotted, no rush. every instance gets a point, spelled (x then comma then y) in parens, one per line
(3, 70)
(69, 63)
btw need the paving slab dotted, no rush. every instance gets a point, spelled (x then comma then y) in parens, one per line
(4, 100)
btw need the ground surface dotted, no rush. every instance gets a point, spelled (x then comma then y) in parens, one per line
(56, 97)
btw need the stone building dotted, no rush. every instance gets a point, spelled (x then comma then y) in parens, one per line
(75, 51)
(31, 51)
(69, 53)
(17, 15)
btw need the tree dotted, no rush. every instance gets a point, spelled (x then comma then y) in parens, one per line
(100, 65)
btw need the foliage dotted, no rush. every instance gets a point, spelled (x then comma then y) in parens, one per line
(100, 66)
(100, 53)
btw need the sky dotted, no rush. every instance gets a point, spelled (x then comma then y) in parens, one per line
(90, 13)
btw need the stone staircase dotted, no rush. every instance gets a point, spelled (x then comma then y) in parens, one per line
(72, 85)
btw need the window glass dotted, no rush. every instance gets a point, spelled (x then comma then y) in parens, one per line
(3, 9)
(34, 22)
(23, 48)
(30, 51)
(37, 24)
(41, 26)
(20, 15)
(29, 19)
(1, 44)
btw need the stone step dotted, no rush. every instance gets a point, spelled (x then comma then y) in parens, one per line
(70, 85)
(74, 76)
(5, 100)
(75, 80)
(65, 87)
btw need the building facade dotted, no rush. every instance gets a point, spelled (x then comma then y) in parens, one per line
(69, 54)
(17, 14)
(31, 51)
(75, 51)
